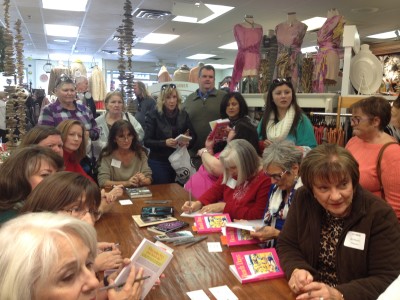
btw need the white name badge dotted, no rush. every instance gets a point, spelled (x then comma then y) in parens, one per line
(231, 183)
(355, 240)
(115, 163)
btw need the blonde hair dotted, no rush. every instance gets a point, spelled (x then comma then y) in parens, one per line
(30, 248)
(114, 93)
(164, 94)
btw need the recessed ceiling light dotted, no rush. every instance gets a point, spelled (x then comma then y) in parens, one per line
(200, 56)
(61, 41)
(61, 30)
(158, 38)
(314, 23)
(218, 11)
(384, 35)
(222, 66)
(185, 19)
(310, 49)
(71, 5)
(230, 46)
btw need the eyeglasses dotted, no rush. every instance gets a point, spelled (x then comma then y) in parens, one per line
(357, 120)
(165, 86)
(80, 213)
(282, 80)
(276, 176)
(124, 138)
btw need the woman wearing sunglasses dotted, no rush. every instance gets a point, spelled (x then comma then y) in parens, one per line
(281, 161)
(163, 125)
(283, 118)
(66, 108)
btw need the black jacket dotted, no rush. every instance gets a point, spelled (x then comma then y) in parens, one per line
(158, 128)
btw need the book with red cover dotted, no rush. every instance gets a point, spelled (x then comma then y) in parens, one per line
(218, 130)
(236, 237)
(256, 265)
(211, 222)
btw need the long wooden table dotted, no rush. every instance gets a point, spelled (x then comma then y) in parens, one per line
(191, 268)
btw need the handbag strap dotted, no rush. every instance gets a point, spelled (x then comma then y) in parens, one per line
(378, 168)
(127, 116)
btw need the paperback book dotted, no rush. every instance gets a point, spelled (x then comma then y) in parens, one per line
(256, 265)
(183, 138)
(151, 220)
(211, 222)
(236, 237)
(152, 259)
(141, 192)
(218, 130)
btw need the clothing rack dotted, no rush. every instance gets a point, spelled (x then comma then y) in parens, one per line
(329, 114)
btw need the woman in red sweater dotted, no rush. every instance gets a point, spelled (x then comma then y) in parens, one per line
(73, 137)
(242, 189)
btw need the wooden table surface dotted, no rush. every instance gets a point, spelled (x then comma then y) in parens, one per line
(192, 268)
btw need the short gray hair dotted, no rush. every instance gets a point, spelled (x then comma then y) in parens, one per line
(24, 270)
(240, 153)
(282, 154)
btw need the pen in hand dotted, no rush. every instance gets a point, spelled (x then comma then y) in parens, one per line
(119, 285)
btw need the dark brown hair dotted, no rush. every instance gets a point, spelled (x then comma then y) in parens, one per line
(375, 107)
(62, 190)
(18, 168)
(38, 134)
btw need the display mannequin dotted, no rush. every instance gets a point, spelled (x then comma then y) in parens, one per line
(327, 62)
(182, 74)
(194, 73)
(163, 75)
(248, 36)
(269, 52)
(290, 35)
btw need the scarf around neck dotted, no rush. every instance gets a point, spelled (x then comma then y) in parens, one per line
(280, 130)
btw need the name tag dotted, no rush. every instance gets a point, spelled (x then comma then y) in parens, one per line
(231, 183)
(115, 163)
(355, 240)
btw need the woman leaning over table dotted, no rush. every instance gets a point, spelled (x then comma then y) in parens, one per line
(57, 263)
(281, 162)
(163, 125)
(73, 194)
(369, 118)
(211, 167)
(242, 189)
(123, 161)
(21, 173)
(339, 240)
(115, 111)
(283, 118)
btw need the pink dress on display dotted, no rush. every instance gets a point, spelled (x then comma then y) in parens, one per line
(247, 59)
(326, 67)
(290, 37)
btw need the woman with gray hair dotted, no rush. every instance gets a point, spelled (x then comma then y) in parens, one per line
(242, 189)
(281, 162)
(57, 264)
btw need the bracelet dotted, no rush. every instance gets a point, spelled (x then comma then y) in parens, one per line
(204, 151)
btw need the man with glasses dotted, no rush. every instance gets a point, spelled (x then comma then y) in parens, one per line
(203, 106)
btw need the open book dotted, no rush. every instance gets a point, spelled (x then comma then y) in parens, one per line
(152, 259)
(255, 265)
(183, 138)
(218, 130)
(211, 222)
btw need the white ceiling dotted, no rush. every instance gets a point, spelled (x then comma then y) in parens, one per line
(98, 26)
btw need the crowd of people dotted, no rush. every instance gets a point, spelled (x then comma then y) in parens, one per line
(331, 212)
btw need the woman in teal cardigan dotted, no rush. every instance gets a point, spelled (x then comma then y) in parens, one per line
(284, 119)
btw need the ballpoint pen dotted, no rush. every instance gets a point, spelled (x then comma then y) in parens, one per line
(197, 241)
(118, 285)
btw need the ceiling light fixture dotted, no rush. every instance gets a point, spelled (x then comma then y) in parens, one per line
(70, 5)
(158, 38)
(384, 35)
(61, 30)
(314, 23)
(200, 56)
(230, 46)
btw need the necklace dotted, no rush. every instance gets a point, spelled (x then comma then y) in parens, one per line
(249, 22)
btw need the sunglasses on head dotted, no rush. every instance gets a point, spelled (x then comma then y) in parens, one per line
(165, 86)
(64, 78)
(282, 80)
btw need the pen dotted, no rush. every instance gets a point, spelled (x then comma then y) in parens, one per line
(118, 285)
(157, 201)
(198, 241)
